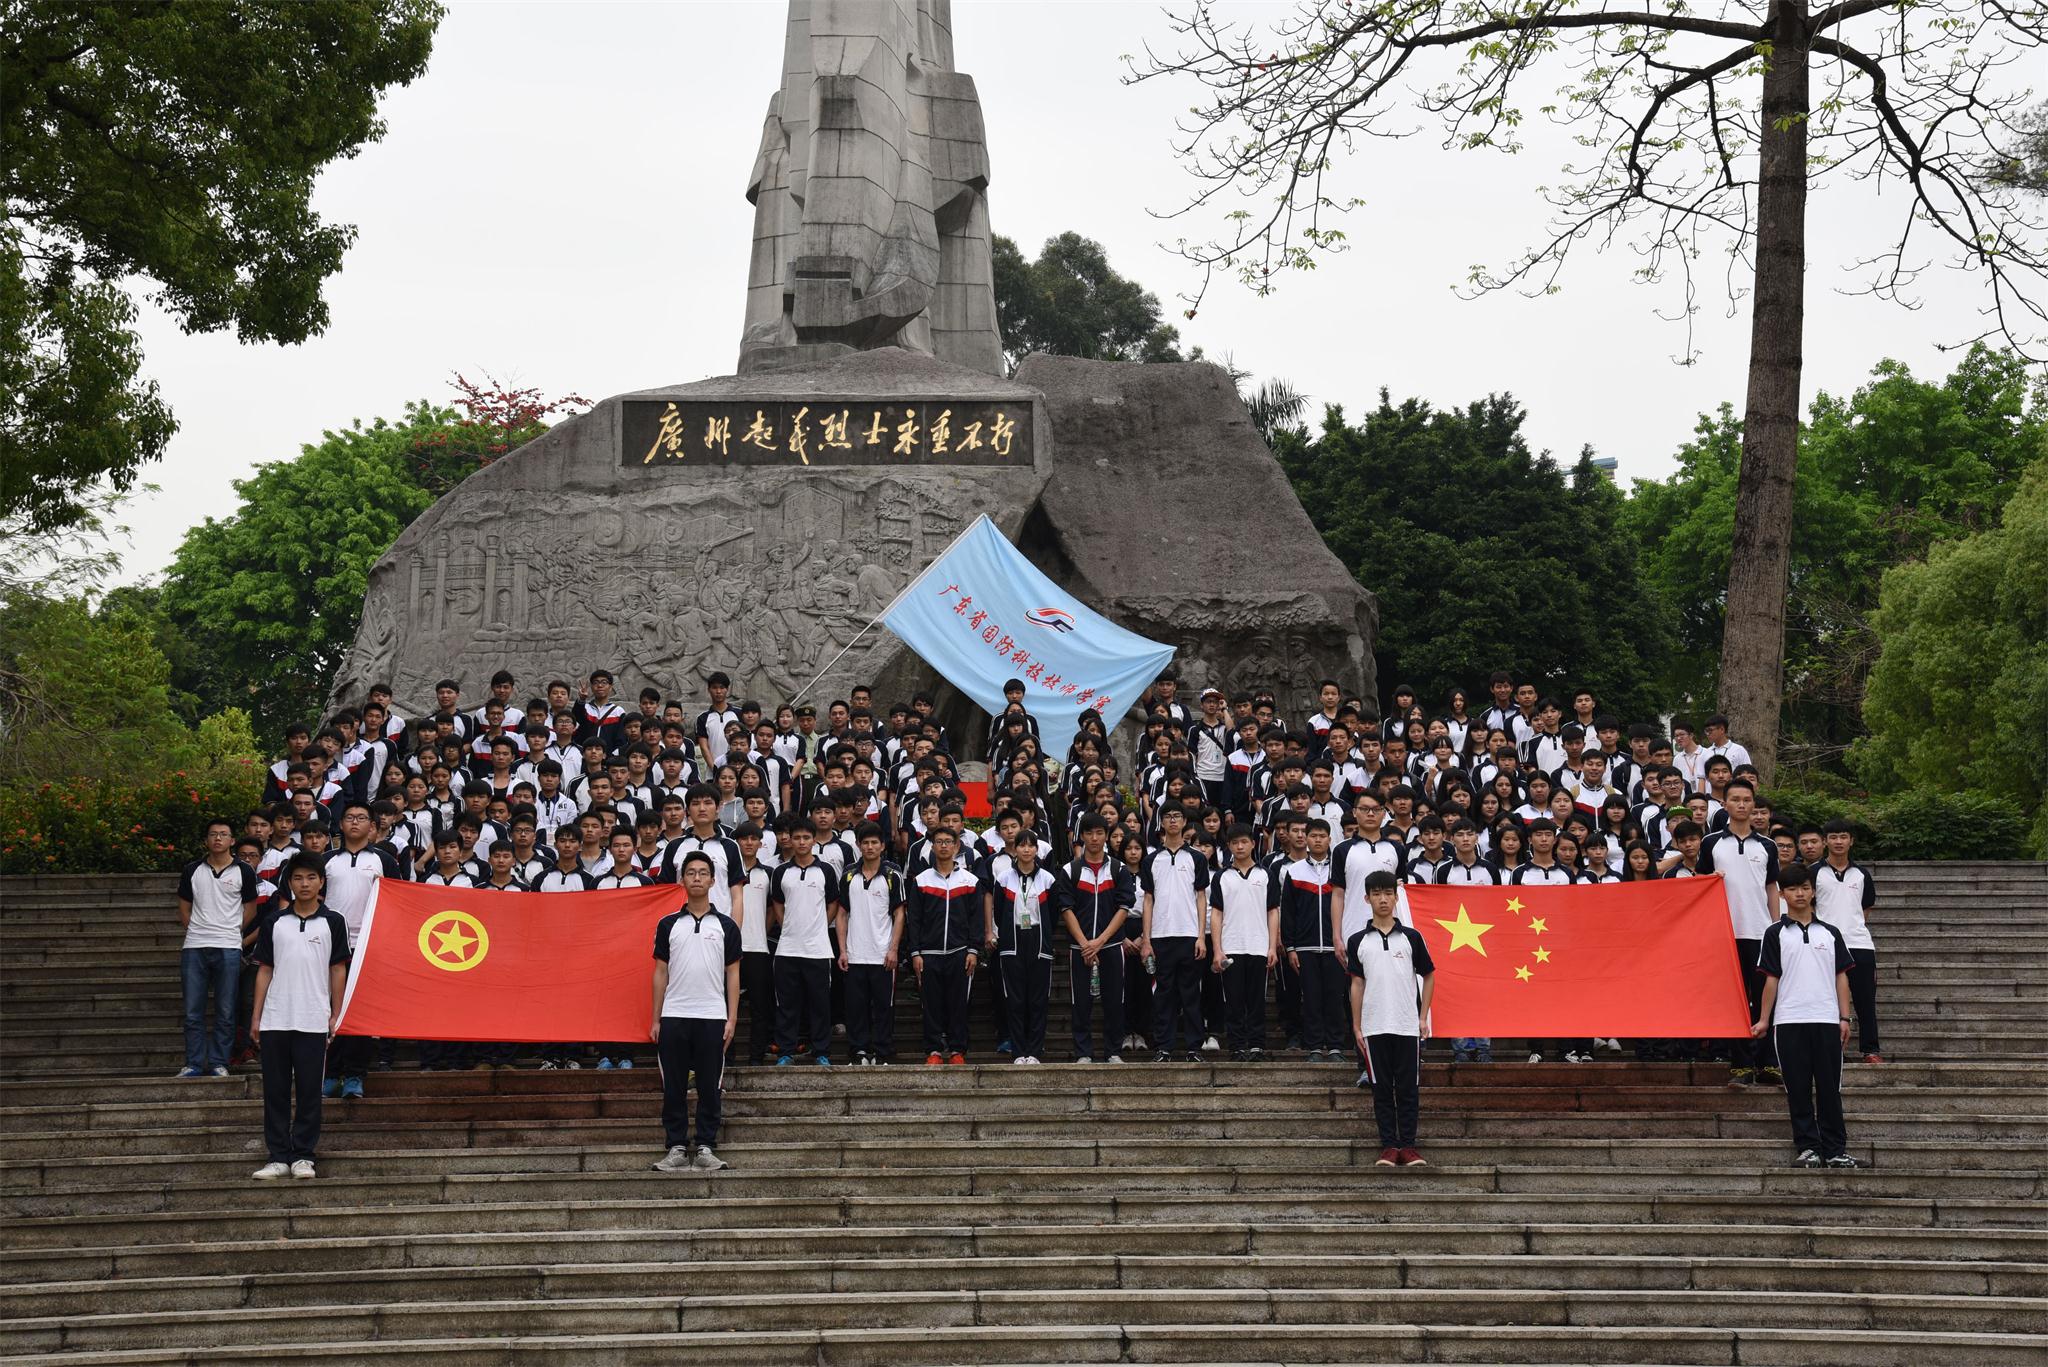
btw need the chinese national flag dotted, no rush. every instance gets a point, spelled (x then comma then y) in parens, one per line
(505, 967)
(1651, 960)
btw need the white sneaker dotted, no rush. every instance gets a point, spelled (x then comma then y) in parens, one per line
(1612, 1045)
(220, 1070)
(303, 1168)
(1210, 1044)
(270, 1172)
(676, 1160)
(708, 1161)
(1116, 1058)
(1535, 1058)
(1084, 1059)
(1020, 1060)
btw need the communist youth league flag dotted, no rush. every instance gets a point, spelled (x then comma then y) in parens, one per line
(1651, 960)
(513, 967)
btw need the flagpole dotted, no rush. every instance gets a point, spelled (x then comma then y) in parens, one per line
(907, 589)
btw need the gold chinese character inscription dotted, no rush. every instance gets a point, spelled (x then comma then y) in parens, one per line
(761, 433)
(875, 432)
(942, 432)
(906, 434)
(718, 432)
(669, 438)
(796, 435)
(832, 431)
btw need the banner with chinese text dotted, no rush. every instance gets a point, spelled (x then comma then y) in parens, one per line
(983, 614)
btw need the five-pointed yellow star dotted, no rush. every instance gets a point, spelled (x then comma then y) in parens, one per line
(1538, 924)
(1466, 932)
(1542, 956)
(1523, 973)
(453, 941)
(1514, 904)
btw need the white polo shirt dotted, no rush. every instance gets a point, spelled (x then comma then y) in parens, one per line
(351, 878)
(1174, 877)
(725, 864)
(1748, 865)
(697, 950)
(1841, 898)
(1246, 899)
(805, 893)
(754, 908)
(1389, 964)
(871, 907)
(1356, 859)
(300, 952)
(1804, 960)
(218, 897)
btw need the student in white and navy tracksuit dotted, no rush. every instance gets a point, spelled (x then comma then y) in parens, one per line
(757, 953)
(301, 955)
(944, 905)
(1388, 1019)
(807, 892)
(1747, 861)
(870, 939)
(1844, 894)
(1173, 876)
(696, 1009)
(1244, 939)
(1025, 900)
(1100, 895)
(1806, 1007)
(1306, 928)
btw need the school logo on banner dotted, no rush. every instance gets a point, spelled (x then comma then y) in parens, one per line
(1058, 619)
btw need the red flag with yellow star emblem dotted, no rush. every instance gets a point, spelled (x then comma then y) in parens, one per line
(505, 967)
(1651, 960)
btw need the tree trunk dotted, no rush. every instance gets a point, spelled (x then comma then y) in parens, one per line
(1753, 634)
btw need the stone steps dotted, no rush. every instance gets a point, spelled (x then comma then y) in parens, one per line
(969, 1310)
(270, 1290)
(1268, 1340)
(1615, 1211)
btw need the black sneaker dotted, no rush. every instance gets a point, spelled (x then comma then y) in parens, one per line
(1162, 1057)
(1843, 1160)
(1195, 1056)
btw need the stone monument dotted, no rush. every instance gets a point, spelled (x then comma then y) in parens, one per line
(870, 193)
(755, 523)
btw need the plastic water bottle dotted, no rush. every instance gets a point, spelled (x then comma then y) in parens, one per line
(1095, 982)
(1151, 964)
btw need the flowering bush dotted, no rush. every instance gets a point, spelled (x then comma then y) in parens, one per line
(109, 825)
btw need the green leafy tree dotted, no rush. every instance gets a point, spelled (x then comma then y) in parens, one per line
(1881, 476)
(275, 591)
(1071, 302)
(179, 143)
(1697, 133)
(85, 693)
(1484, 555)
(1960, 689)
(276, 588)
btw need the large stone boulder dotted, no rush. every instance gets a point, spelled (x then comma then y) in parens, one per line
(1167, 512)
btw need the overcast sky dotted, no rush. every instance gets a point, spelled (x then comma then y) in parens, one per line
(560, 202)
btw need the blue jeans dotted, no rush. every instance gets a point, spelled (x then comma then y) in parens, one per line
(221, 970)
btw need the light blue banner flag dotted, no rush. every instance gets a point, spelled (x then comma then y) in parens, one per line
(981, 614)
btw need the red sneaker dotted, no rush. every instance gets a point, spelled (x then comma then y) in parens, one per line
(1389, 1158)
(1412, 1158)
(1873, 1058)
(933, 1060)
(957, 1059)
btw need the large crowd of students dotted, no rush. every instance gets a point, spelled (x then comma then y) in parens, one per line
(1238, 860)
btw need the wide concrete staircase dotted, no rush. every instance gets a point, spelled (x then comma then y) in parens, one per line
(1609, 1212)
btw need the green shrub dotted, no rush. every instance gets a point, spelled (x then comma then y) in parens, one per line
(1799, 808)
(1933, 825)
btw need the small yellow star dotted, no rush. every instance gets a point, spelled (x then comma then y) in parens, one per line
(1466, 931)
(1514, 904)
(1538, 924)
(453, 941)
(1523, 974)
(1542, 956)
